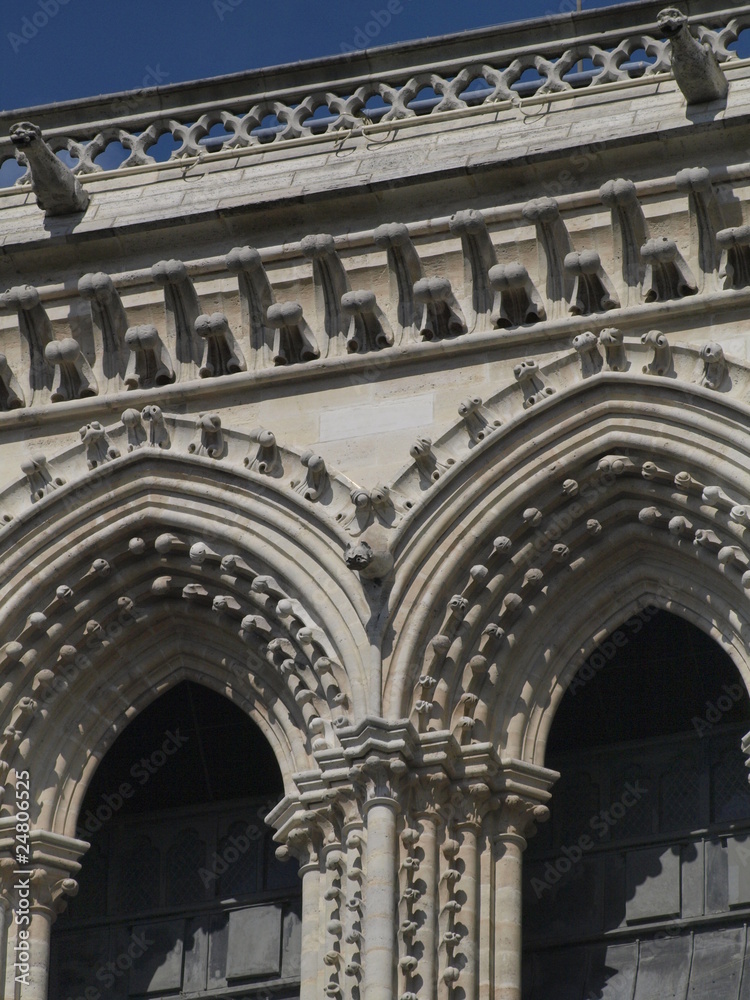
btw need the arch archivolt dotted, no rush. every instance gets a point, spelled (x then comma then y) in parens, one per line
(163, 570)
(543, 516)
(617, 491)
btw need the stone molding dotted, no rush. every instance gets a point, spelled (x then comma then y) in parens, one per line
(575, 291)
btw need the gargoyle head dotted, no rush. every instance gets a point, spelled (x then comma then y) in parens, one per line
(358, 556)
(24, 133)
(671, 21)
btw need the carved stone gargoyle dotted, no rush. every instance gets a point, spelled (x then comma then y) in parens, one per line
(370, 555)
(58, 191)
(695, 67)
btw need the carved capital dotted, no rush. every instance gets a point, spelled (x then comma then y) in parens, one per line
(517, 819)
(428, 796)
(472, 803)
(49, 890)
(380, 780)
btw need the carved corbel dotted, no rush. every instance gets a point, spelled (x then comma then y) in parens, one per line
(221, 353)
(150, 364)
(405, 269)
(73, 376)
(680, 526)
(428, 465)
(369, 329)
(732, 555)
(592, 290)
(379, 506)
(131, 420)
(477, 420)
(554, 244)
(182, 310)
(441, 315)
(587, 346)
(653, 473)
(317, 481)
(651, 516)
(330, 284)
(110, 324)
(479, 259)
(529, 377)
(615, 465)
(210, 437)
(695, 67)
(516, 301)
(158, 435)
(96, 442)
(256, 296)
(267, 459)
(254, 628)
(510, 609)
(36, 333)
(667, 274)
(707, 539)
(611, 340)
(734, 268)
(58, 191)
(706, 221)
(715, 369)
(684, 481)
(631, 232)
(11, 393)
(716, 496)
(41, 479)
(423, 704)
(293, 342)
(154, 433)
(662, 359)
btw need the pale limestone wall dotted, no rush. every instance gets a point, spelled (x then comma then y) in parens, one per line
(406, 647)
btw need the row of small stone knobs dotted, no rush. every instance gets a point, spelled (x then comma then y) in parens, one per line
(502, 296)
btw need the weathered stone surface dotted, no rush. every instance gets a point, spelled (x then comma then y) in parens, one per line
(377, 426)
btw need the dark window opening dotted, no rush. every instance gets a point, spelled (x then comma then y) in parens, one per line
(181, 891)
(639, 885)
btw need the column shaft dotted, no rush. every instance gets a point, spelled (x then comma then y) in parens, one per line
(380, 953)
(39, 941)
(310, 956)
(508, 916)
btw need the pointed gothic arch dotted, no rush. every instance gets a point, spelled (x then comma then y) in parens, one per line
(615, 490)
(158, 571)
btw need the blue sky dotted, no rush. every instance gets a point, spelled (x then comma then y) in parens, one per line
(57, 50)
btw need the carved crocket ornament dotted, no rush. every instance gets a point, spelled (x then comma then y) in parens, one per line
(58, 191)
